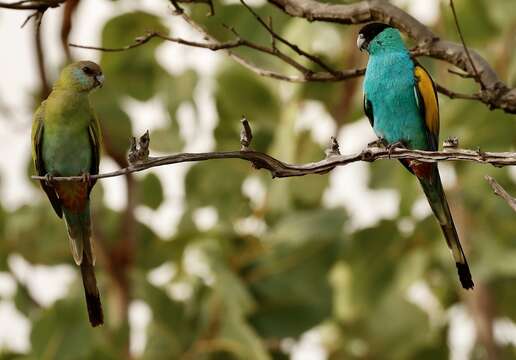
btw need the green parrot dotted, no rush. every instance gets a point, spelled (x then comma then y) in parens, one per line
(66, 141)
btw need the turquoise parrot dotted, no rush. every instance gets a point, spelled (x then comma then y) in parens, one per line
(66, 141)
(401, 103)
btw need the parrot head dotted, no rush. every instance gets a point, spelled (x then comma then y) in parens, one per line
(377, 37)
(81, 76)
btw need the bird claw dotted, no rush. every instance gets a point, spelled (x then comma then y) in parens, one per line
(379, 143)
(394, 146)
(49, 180)
(86, 178)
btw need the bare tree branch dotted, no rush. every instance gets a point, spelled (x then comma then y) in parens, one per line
(41, 5)
(328, 75)
(455, 95)
(278, 168)
(215, 45)
(459, 73)
(493, 92)
(284, 41)
(500, 191)
(306, 76)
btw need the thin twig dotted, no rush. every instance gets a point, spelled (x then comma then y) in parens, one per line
(66, 26)
(455, 18)
(500, 191)
(306, 75)
(455, 95)
(28, 18)
(140, 40)
(461, 74)
(215, 45)
(273, 39)
(274, 52)
(294, 47)
(45, 87)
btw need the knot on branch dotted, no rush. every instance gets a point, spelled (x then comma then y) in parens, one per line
(368, 155)
(139, 151)
(482, 154)
(246, 135)
(144, 38)
(333, 149)
(451, 143)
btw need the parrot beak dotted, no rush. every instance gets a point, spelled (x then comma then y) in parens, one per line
(99, 80)
(361, 42)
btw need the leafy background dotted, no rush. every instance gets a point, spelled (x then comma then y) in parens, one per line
(217, 260)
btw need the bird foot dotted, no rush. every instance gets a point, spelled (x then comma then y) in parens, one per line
(393, 146)
(86, 178)
(49, 180)
(380, 143)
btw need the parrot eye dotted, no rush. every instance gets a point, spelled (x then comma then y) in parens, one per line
(87, 70)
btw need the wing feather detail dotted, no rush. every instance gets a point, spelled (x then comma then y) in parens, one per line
(37, 156)
(426, 99)
(95, 143)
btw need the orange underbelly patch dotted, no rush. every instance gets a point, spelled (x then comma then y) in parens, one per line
(72, 194)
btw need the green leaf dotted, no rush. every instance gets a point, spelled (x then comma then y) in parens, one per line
(115, 124)
(372, 256)
(37, 234)
(151, 191)
(291, 277)
(63, 332)
(174, 91)
(224, 193)
(405, 320)
(135, 72)
(475, 22)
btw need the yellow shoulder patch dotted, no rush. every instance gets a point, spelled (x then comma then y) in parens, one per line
(425, 88)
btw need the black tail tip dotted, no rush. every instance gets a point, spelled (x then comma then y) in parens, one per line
(95, 313)
(465, 276)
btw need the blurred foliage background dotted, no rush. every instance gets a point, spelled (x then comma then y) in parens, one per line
(261, 268)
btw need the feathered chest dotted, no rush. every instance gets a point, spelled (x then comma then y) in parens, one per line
(389, 87)
(389, 77)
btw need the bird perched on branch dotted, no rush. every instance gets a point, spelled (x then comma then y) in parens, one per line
(66, 141)
(401, 103)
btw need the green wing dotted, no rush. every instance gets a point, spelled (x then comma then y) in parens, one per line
(96, 144)
(37, 156)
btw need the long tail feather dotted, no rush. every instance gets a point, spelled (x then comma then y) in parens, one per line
(79, 233)
(450, 233)
(91, 292)
(435, 194)
(75, 236)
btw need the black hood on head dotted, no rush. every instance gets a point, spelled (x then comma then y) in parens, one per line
(368, 33)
